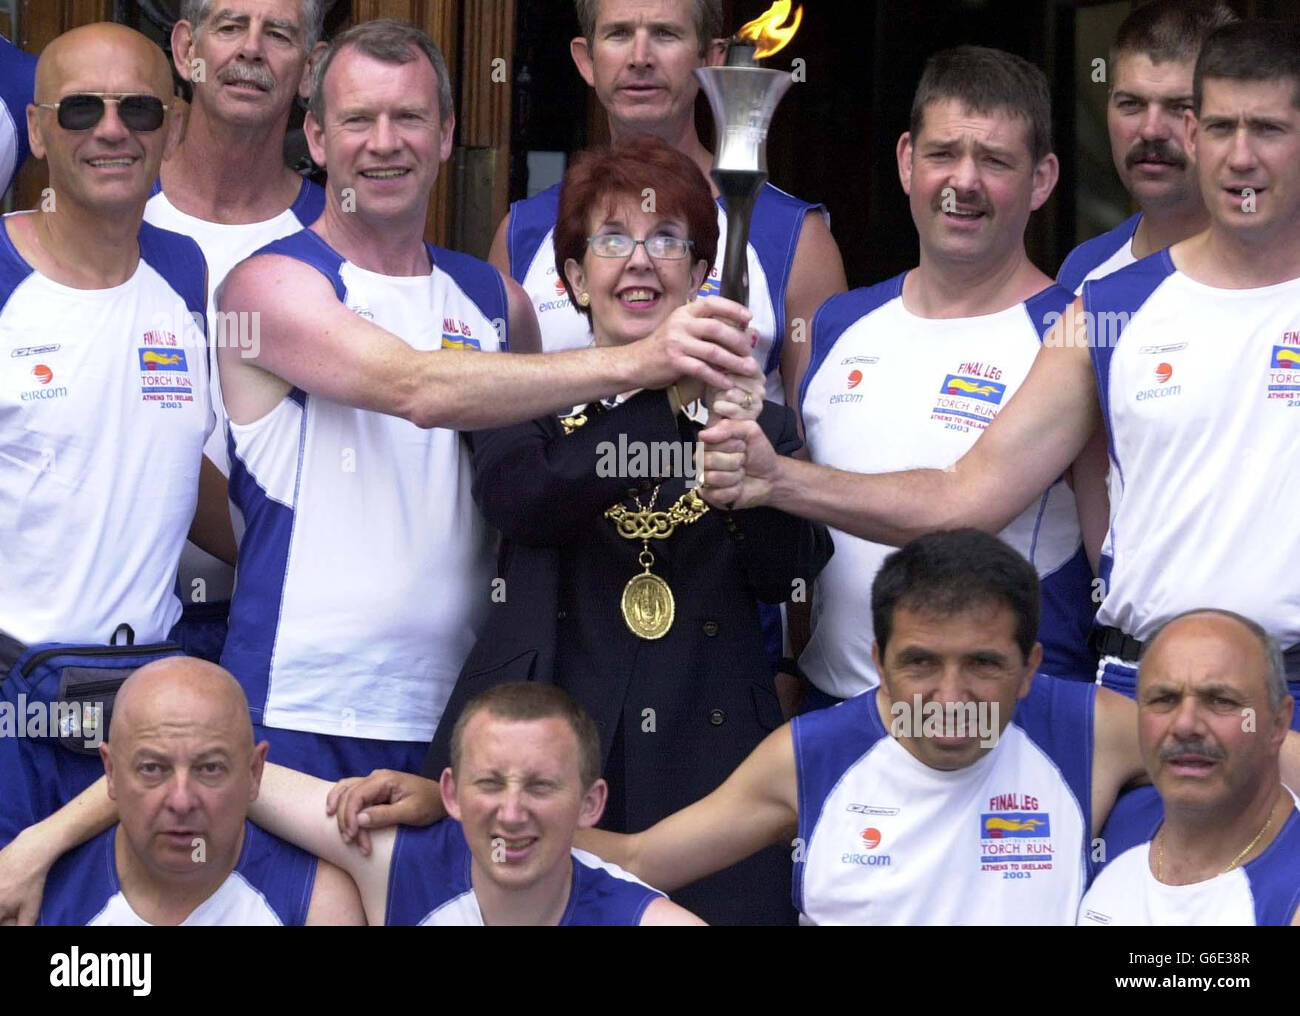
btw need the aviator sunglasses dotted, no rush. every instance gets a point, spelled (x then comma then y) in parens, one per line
(83, 110)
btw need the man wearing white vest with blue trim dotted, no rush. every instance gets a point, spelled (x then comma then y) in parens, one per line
(963, 790)
(639, 58)
(524, 777)
(366, 569)
(227, 188)
(1151, 65)
(1217, 841)
(1190, 358)
(911, 371)
(103, 405)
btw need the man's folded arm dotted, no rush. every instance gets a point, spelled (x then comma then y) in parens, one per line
(291, 805)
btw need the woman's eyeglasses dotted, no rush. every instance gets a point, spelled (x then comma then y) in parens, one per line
(82, 111)
(618, 245)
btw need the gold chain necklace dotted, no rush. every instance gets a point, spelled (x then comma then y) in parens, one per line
(648, 604)
(1160, 848)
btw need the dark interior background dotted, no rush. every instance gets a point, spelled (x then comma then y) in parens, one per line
(833, 137)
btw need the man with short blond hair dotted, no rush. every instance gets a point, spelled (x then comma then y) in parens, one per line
(353, 484)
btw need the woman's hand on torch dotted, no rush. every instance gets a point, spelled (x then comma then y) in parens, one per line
(743, 400)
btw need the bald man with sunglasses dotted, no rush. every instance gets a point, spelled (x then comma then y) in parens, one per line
(103, 407)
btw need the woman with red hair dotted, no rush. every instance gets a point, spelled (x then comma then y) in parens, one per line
(621, 585)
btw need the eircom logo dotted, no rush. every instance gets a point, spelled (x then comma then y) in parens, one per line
(43, 375)
(870, 838)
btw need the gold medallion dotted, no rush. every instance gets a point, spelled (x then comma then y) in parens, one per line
(648, 606)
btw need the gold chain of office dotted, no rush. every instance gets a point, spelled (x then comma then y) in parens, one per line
(648, 605)
(648, 524)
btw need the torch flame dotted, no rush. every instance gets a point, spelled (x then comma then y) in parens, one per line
(765, 29)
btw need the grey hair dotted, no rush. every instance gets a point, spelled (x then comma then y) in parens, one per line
(1274, 678)
(313, 18)
(387, 41)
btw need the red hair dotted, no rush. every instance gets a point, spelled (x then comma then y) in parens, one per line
(603, 176)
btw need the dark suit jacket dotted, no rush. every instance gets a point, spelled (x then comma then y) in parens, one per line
(684, 710)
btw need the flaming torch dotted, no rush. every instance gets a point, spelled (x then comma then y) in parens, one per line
(743, 97)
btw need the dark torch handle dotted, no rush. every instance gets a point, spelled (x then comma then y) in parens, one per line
(739, 191)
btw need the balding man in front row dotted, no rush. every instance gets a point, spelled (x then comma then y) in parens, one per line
(1218, 839)
(183, 769)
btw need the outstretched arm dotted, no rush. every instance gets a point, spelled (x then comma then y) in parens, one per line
(1030, 444)
(309, 340)
(756, 807)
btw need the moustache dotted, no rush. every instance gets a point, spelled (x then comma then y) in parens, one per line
(1197, 746)
(1155, 151)
(946, 199)
(254, 74)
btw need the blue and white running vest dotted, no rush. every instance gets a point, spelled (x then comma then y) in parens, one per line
(1265, 891)
(365, 569)
(271, 884)
(429, 883)
(103, 414)
(885, 839)
(224, 246)
(1200, 394)
(1099, 256)
(887, 390)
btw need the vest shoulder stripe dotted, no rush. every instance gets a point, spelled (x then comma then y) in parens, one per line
(310, 202)
(178, 259)
(1051, 301)
(530, 221)
(774, 235)
(1275, 876)
(13, 269)
(17, 83)
(1057, 716)
(1114, 300)
(1089, 254)
(309, 248)
(835, 316)
(827, 743)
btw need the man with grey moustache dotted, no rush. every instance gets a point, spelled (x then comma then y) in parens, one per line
(1217, 840)
(227, 187)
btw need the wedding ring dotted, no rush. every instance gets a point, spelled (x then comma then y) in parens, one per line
(749, 401)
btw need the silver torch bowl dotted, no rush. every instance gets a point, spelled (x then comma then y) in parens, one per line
(743, 100)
